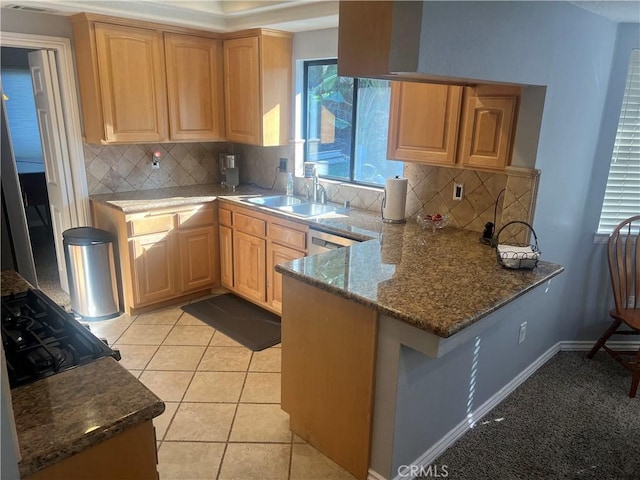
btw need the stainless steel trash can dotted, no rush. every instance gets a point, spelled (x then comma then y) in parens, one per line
(91, 271)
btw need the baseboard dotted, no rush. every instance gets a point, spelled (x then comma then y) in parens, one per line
(373, 475)
(586, 345)
(458, 431)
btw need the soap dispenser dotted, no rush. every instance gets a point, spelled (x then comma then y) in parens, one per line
(289, 183)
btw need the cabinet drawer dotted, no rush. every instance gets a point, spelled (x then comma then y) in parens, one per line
(287, 236)
(253, 226)
(150, 224)
(225, 217)
(198, 217)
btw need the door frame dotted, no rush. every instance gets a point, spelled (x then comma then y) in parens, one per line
(75, 172)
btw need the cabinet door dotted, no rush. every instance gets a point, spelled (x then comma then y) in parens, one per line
(423, 122)
(152, 258)
(277, 254)
(226, 256)
(487, 131)
(198, 265)
(132, 83)
(249, 262)
(242, 90)
(194, 87)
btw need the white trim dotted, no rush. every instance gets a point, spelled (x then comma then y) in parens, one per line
(79, 194)
(373, 475)
(459, 430)
(586, 345)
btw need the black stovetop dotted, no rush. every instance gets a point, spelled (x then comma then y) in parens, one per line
(41, 339)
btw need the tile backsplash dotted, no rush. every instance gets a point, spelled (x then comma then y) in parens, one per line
(122, 168)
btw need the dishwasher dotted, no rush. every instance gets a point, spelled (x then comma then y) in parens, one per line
(319, 242)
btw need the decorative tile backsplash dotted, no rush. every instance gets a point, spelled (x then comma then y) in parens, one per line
(122, 168)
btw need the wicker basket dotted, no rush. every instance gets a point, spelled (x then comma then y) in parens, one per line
(517, 256)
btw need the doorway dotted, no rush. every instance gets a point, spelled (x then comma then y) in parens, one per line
(41, 201)
(29, 162)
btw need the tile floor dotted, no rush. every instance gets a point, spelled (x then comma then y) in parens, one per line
(222, 418)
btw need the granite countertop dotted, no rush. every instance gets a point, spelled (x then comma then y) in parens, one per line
(61, 415)
(440, 282)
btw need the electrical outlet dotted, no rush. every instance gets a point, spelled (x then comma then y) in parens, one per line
(283, 165)
(458, 189)
(523, 333)
(155, 164)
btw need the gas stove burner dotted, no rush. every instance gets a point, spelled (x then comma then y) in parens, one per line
(41, 339)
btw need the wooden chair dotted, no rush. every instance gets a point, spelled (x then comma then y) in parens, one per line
(624, 267)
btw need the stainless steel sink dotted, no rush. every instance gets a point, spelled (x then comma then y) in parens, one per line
(294, 205)
(310, 209)
(276, 201)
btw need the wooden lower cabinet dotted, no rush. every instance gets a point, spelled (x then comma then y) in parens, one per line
(249, 266)
(162, 255)
(130, 455)
(153, 268)
(226, 256)
(277, 254)
(197, 263)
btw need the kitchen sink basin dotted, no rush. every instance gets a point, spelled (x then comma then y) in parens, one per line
(309, 209)
(276, 201)
(294, 205)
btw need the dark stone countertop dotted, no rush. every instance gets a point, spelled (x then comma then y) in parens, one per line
(440, 282)
(61, 415)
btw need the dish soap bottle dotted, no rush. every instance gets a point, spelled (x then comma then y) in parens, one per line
(290, 184)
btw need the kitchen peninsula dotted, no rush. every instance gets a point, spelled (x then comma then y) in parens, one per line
(347, 314)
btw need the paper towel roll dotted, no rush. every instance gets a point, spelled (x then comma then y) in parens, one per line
(395, 200)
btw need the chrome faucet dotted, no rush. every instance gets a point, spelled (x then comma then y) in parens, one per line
(317, 192)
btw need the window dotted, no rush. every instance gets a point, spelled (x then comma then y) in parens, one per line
(622, 196)
(346, 123)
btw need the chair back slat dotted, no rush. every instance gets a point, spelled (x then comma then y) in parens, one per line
(624, 258)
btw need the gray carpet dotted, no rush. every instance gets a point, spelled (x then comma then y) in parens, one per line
(572, 419)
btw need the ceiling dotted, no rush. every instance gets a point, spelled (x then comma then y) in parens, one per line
(214, 15)
(230, 15)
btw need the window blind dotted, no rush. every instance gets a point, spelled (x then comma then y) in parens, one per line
(622, 196)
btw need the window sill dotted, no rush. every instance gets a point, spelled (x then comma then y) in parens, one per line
(599, 238)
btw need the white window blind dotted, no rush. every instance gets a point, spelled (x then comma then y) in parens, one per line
(622, 197)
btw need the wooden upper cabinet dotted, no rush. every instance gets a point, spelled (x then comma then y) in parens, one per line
(194, 87)
(132, 83)
(423, 122)
(257, 87)
(487, 131)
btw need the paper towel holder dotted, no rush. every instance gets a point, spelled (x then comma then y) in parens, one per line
(384, 203)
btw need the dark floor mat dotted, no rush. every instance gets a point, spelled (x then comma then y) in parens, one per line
(243, 321)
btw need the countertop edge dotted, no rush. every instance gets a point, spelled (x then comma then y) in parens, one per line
(408, 318)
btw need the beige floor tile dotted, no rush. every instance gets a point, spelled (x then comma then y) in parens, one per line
(165, 316)
(297, 439)
(202, 422)
(135, 373)
(225, 359)
(307, 463)
(169, 386)
(189, 320)
(221, 340)
(259, 461)
(261, 388)
(189, 460)
(267, 360)
(162, 422)
(141, 334)
(111, 329)
(169, 357)
(136, 357)
(215, 387)
(260, 423)
(189, 335)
